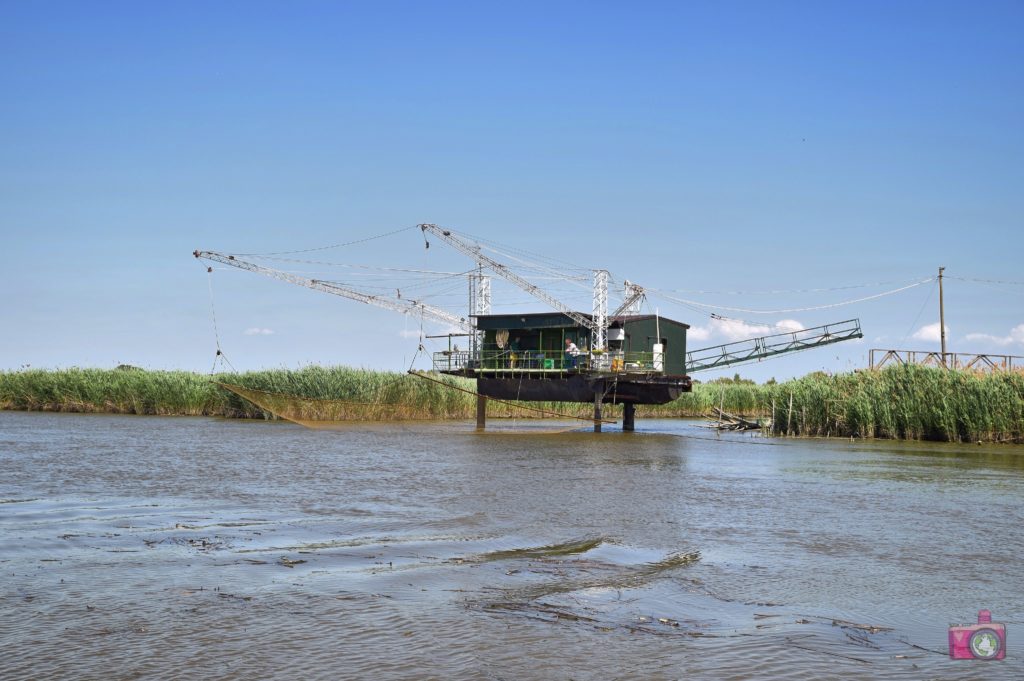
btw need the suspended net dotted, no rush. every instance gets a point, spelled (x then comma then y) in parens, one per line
(319, 413)
(314, 412)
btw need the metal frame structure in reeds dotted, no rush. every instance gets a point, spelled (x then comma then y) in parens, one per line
(878, 358)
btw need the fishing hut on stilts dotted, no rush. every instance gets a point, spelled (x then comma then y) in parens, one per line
(565, 355)
(524, 357)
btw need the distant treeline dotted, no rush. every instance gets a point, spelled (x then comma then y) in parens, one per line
(904, 402)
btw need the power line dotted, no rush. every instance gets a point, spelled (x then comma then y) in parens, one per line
(986, 281)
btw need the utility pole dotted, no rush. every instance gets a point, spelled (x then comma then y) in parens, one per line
(942, 319)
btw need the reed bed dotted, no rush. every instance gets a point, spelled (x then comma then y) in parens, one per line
(902, 402)
(116, 391)
(313, 392)
(742, 399)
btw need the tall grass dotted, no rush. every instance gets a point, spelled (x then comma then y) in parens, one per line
(135, 391)
(375, 395)
(905, 402)
(131, 391)
(743, 399)
(902, 402)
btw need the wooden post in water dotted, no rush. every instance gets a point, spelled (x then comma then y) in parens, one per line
(481, 411)
(598, 397)
(789, 416)
(628, 414)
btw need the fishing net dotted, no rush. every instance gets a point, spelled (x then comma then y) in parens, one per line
(323, 413)
(320, 413)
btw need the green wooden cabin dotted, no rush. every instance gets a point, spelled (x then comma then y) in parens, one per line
(640, 335)
(536, 341)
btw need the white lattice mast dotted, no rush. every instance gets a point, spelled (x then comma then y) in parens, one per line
(600, 329)
(479, 304)
(483, 298)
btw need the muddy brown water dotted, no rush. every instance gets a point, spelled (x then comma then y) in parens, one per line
(172, 548)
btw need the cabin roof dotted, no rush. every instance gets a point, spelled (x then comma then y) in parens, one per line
(526, 320)
(621, 319)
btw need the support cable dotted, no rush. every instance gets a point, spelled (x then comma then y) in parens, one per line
(324, 248)
(927, 300)
(216, 334)
(775, 292)
(419, 347)
(705, 306)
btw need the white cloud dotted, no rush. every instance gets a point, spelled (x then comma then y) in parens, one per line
(735, 329)
(698, 333)
(929, 332)
(788, 325)
(1016, 336)
(409, 333)
(258, 331)
(732, 330)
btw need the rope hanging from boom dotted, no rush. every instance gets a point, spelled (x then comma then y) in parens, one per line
(219, 356)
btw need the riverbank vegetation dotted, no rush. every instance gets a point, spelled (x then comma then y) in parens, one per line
(904, 402)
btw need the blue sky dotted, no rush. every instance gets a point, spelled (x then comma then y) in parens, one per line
(707, 148)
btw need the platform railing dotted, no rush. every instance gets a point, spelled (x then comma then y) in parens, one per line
(541, 361)
(494, 358)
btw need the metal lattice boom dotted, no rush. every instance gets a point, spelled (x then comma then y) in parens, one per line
(473, 251)
(395, 304)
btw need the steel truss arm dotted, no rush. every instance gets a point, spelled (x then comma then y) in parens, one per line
(395, 304)
(473, 251)
(769, 346)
